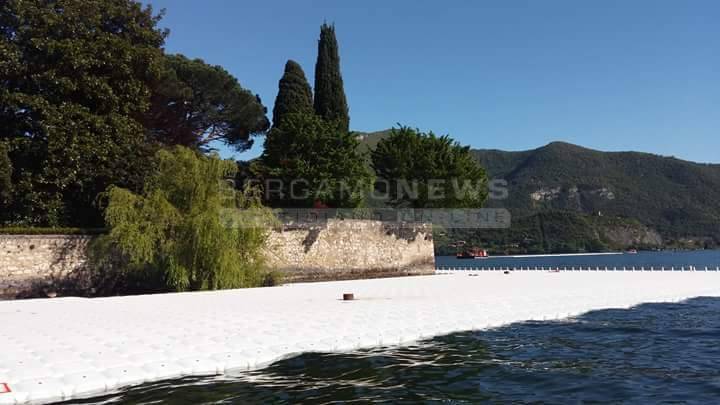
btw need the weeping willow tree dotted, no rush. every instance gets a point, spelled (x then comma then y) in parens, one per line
(190, 225)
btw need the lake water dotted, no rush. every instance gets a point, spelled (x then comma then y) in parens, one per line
(699, 259)
(647, 354)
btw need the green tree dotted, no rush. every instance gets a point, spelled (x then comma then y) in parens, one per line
(195, 104)
(5, 180)
(422, 170)
(294, 93)
(308, 160)
(190, 225)
(75, 77)
(330, 101)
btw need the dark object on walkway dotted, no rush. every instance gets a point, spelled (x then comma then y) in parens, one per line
(506, 271)
(348, 297)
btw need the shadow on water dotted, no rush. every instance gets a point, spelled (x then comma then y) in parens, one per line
(650, 353)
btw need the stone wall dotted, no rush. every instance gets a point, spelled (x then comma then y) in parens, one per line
(346, 249)
(38, 265)
(32, 265)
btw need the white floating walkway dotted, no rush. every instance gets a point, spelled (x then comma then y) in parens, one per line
(62, 348)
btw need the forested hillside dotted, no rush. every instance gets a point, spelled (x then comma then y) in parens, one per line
(566, 198)
(679, 199)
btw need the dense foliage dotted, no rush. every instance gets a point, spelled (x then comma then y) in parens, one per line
(437, 170)
(5, 180)
(294, 93)
(309, 161)
(194, 104)
(75, 76)
(86, 98)
(189, 225)
(330, 101)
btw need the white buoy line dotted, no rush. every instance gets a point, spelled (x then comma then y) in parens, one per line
(63, 348)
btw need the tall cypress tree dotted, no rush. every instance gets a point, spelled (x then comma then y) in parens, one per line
(330, 102)
(294, 93)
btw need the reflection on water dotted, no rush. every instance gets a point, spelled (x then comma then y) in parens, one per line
(699, 259)
(651, 353)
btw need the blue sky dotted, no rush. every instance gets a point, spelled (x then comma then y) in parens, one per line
(513, 75)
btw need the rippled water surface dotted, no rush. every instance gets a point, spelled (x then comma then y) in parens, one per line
(699, 259)
(650, 353)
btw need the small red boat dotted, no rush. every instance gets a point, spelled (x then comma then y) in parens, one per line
(473, 253)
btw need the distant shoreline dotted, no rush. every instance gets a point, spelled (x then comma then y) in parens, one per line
(555, 255)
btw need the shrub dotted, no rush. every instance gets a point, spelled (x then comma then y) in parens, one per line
(445, 173)
(189, 225)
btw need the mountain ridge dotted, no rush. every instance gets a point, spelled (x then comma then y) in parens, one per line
(663, 201)
(677, 198)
